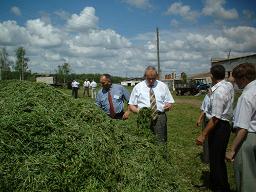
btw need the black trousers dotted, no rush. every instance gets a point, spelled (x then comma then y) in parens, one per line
(74, 91)
(218, 141)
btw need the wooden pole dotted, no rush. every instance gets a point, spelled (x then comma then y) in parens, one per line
(158, 57)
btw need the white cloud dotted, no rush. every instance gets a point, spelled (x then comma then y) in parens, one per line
(62, 14)
(84, 21)
(215, 8)
(16, 11)
(183, 11)
(12, 34)
(42, 34)
(89, 49)
(243, 38)
(102, 38)
(142, 4)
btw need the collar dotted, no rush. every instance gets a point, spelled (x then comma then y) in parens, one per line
(154, 85)
(217, 85)
(249, 85)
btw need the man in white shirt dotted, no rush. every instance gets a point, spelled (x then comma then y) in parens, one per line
(243, 148)
(140, 98)
(86, 87)
(218, 128)
(203, 120)
(75, 87)
(93, 86)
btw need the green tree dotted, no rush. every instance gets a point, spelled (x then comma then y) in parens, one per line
(63, 71)
(5, 64)
(21, 62)
(184, 77)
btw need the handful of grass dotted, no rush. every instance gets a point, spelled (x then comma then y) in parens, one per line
(144, 118)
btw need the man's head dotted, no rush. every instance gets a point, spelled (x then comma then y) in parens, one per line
(217, 72)
(150, 75)
(105, 81)
(244, 74)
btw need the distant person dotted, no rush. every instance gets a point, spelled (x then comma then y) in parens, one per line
(86, 87)
(111, 98)
(203, 120)
(218, 128)
(93, 87)
(154, 94)
(243, 148)
(75, 87)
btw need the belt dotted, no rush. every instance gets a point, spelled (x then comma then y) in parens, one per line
(160, 112)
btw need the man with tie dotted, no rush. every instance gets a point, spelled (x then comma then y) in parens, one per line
(111, 97)
(154, 94)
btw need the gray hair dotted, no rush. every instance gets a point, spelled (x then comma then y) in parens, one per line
(150, 68)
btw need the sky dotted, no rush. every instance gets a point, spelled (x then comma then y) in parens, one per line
(119, 36)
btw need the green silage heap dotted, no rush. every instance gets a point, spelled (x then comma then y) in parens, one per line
(52, 142)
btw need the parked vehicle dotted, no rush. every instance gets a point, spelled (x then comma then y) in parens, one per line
(191, 87)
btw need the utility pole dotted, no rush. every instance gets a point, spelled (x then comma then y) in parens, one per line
(158, 58)
(22, 68)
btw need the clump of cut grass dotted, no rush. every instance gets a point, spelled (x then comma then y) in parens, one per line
(52, 142)
(144, 118)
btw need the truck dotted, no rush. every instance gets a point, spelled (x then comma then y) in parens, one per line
(191, 86)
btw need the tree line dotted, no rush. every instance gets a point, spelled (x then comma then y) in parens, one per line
(19, 69)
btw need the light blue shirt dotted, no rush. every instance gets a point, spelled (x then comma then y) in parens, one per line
(140, 95)
(119, 95)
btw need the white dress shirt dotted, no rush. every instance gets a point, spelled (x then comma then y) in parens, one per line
(245, 112)
(221, 101)
(140, 95)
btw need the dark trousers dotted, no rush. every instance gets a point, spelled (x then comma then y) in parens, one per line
(206, 143)
(119, 115)
(159, 127)
(218, 141)
(74, 91)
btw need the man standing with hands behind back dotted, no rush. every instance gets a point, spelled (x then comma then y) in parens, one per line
(154, 94)
(218, 128)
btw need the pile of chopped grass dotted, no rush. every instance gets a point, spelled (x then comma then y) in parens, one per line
(52, 142)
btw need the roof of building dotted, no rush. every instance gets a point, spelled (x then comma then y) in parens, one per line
(216, 60)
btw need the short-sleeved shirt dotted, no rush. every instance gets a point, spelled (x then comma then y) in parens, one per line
(205, 105)
(140, 95)
(245, 112)
(221, 101)
(119, 95)
(93, 85)
(75, 84)
(87, 84)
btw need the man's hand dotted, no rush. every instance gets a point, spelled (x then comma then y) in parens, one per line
(200, 139)
(230, 155)
(198, 123)
(167, 106)
(126, 115)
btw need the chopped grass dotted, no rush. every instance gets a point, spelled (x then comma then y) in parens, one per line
(52, 142)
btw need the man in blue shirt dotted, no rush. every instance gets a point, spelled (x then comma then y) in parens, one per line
(111, 97)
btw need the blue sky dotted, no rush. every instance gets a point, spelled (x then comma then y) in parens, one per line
(118, 36)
